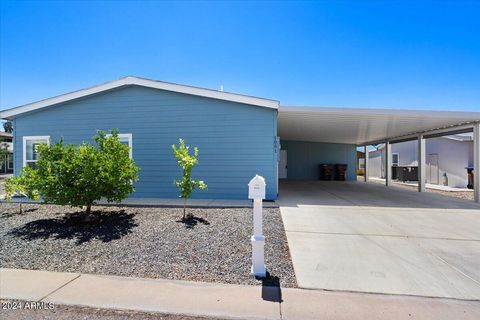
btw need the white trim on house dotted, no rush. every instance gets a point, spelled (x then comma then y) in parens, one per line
(129, 137)
(24, 146)
(135, 81)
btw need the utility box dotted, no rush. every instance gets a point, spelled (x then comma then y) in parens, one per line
(256, 188)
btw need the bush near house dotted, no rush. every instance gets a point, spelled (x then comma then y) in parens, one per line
(79, 175)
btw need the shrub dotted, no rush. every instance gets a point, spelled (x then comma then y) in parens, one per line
(24, 184)
(81, 175)
(187, 162)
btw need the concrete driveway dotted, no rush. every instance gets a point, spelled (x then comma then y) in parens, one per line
(365, 237)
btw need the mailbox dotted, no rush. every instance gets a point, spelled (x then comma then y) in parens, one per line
(256, 191)
(256, 188)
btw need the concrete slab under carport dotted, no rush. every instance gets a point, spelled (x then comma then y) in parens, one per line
(356, 236)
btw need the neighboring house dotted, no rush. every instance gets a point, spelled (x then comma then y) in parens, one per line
(448, 155)
(6, 164)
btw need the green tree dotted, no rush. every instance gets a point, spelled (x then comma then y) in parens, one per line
(187, 162)
(8, 126)
(79, 176)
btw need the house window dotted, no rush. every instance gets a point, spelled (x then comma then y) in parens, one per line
(10, 161)
(126, 138)
(30, 149)
(395, 159)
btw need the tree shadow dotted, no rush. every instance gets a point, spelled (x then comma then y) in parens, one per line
(17, 212)
(191, 221)
(102, 225)
(271, 290)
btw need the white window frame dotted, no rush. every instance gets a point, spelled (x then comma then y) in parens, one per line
(25, 139)
(398, 159)
(129, 137)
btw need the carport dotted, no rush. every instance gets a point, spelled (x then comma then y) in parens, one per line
(334, 133)
(367, 237)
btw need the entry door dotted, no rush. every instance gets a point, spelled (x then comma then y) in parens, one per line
(282, 165)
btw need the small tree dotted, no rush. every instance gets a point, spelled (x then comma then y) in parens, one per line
(81, 175)
(186, 161)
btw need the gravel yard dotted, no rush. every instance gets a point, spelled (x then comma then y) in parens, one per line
(143, 242)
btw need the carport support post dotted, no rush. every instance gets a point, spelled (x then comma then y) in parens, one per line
(388, 163)
(476, 161)
(365, 174)
(421, 163)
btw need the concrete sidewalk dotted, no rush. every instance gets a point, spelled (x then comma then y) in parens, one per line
(222, 300)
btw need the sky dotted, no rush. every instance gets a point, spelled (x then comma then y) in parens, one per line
(381, 54)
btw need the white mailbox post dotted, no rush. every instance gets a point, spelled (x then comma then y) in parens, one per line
(256, 191)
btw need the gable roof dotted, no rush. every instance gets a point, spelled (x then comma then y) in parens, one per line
(136, 81)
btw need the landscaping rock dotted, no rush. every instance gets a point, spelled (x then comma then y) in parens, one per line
(213, 246)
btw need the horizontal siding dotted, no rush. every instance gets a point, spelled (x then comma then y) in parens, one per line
(235, 141)
(304, 158)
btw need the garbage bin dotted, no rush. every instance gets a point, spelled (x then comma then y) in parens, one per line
(340, 172)
(407, 173)
(326, 172)
(470, 177)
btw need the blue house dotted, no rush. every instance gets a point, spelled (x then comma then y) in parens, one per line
(236, 135)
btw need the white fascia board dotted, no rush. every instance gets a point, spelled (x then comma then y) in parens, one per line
(214, 94)
(131, 81)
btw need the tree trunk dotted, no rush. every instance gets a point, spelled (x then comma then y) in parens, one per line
(88, 212)
(184, 207)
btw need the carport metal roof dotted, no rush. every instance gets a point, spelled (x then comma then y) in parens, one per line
(368, 126)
